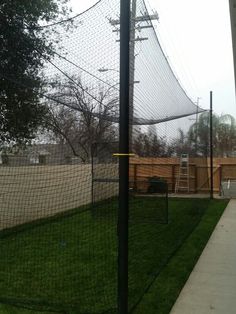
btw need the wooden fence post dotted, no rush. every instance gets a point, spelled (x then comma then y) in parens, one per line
(220, 178)
(135, 177)
(173, 178)
(196, 178)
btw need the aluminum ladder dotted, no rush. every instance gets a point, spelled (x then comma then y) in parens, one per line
(182, 182)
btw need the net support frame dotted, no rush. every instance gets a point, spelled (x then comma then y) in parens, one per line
(123, 213)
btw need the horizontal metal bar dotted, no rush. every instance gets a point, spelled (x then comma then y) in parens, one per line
(142, 18)
(137, 28)
(108, 180)
(137, 39)
(105, 180)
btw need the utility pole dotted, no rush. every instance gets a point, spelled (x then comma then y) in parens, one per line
(145, 17)
(132, 72)
(196, 136)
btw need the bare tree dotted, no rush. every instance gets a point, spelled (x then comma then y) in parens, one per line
(149, 144)
(79, 119)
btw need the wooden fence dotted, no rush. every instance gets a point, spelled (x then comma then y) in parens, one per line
(34, 192)
(142, 169)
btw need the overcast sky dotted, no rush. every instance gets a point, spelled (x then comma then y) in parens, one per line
(196, 37)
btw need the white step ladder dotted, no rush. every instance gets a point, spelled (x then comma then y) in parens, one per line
(182, 182)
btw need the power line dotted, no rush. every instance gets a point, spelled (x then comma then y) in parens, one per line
(62, 21)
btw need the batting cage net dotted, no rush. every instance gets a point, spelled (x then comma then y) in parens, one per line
(60, 188)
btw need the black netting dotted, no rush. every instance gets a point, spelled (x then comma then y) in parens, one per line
(60, 191)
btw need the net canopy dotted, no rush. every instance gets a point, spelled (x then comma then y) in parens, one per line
(59, 194)
(88, 60)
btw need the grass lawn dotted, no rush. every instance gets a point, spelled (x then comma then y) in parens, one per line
(165, 290)
(70, 263)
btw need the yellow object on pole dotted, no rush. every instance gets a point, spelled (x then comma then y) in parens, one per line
(121, 155)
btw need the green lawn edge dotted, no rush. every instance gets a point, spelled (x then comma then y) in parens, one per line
(165, 290)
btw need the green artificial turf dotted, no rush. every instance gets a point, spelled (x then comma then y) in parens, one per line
(69, 264)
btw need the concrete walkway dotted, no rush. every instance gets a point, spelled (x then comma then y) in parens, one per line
(211, 287)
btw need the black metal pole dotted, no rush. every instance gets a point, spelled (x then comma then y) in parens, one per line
(123, 215)
(211, 147)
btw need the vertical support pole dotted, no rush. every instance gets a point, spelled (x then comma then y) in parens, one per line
(123, 214)
(211, 147)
